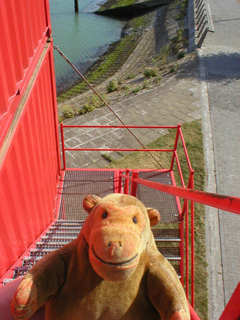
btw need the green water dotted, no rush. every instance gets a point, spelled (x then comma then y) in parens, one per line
(82, 36)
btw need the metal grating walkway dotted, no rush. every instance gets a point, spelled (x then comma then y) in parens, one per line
(77, 184)
(165, 203)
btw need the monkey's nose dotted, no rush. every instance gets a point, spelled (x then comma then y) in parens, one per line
(114, 249)
(117, 243)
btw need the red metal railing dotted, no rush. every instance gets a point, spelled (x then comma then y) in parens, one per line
(62, 126)
(183, 211)
(226, 203)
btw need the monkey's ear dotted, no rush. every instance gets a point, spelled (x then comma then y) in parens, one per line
(154, 216)
(90, 201)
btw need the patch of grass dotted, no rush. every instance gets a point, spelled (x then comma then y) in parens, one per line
(158, 78)
(86, 108)
(112, 86)
(164, 54)
(181, 54)
(183, 7)
(110, 4)
(194, 142)
(138, 22)
(150, 72)
(178, 16)
(60, 118)
(174, 68)
(147, 83)
(68, 111)
(177, 41)
(107, 157)
(131, 76)
(127, 90)
(93, 103)
(120, 153)
(136, 89)
(96, 101)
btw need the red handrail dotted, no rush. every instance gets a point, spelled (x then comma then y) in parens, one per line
(117, 149)
(119, 126)
(226, 203)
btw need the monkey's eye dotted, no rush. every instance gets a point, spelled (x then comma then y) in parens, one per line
(104, 215)
(135, 220)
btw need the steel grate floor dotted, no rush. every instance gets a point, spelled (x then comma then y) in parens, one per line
(77, 185)
(165, 203)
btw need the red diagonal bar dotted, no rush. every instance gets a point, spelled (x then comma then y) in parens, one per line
(193, 313)
(227, 203)
(232, 310)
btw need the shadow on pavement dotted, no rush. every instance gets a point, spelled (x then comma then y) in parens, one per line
(222, 67)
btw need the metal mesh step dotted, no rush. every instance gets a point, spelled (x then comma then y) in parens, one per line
(40, 252)
(69, 223)
(77, 222)
(166, 235)
(170, 253)
(64, 228)
(50, 245)
(57, 239)
(30, 261)
(52, 242)
(21, 271)
(63, 233)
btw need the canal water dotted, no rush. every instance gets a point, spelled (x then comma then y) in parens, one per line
(82, 36)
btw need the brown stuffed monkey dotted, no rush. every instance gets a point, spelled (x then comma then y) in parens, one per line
(112, 271)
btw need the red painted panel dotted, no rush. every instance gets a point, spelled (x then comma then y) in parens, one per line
(24, 29)
(29, 173)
